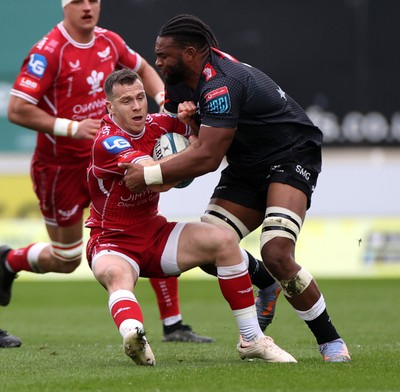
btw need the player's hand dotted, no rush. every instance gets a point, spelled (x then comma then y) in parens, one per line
(185, 111)
(134, 177)
(87, 129)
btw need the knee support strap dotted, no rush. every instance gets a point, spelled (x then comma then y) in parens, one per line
(280, 222)
(67, 252)
(295, 286)
(219, 216)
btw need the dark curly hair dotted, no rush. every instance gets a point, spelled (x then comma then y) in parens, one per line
(188, 30)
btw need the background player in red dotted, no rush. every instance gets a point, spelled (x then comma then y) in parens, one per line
(59, 93)
(273, 152)
(129, 238)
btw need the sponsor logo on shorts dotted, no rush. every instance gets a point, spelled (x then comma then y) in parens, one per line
(303, 172)
(37, 65)
(218, 101)
(116, 144)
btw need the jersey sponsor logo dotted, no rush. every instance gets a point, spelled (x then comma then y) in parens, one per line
(115, 144)
(94, 81)
(75, 65)
(41, 43)
(209, 72)
(37, 65)
(105, 53)
(28, 83)
(218, 101)
(90, 107)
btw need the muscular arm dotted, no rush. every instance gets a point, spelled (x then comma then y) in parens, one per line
(25, 114)
(204, 155)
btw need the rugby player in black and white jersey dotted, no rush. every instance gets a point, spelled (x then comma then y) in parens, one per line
(273, 152)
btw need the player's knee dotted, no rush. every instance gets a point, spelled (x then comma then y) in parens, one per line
(279, 233)
(68, 267)
(224, 242)
(68, 256)
(280, 223)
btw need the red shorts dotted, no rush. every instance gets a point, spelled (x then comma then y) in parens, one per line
(62, 191)
(143, 245)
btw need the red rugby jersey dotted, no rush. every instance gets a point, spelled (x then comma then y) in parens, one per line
(65, 78)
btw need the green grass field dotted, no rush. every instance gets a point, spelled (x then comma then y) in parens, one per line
(71, 344)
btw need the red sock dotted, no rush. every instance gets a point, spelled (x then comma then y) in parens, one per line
(238, 291)
(124, 309)
(166, 290)
(17, 259)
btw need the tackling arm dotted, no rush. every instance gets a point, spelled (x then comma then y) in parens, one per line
(204, 155)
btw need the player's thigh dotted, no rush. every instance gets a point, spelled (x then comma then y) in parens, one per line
(251, 218)
(287, 196)
(203, 243)
(66, 235)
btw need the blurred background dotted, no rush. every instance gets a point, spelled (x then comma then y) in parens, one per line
(337, 58)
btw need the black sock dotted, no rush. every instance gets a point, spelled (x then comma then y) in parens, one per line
(171, 328)
(322, 328)
(259, 275)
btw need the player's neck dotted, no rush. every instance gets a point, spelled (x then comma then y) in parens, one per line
(196, 70)
(82, 36)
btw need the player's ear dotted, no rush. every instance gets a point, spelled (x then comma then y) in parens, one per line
(189, 53)
(109, 107)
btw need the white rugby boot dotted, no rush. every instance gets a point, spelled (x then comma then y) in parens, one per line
(263, 348)
(335, 351)
(138, 348)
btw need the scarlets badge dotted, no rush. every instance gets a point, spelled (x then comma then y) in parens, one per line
(218, 101)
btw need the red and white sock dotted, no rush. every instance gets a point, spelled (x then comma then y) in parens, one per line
(125, 311)
(167, 294)
(25, 259)
(237, 289)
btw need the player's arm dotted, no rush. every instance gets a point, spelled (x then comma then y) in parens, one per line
(204, 155)
(28, 115)
(152, 162)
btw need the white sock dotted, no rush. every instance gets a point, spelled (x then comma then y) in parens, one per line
(247, 323)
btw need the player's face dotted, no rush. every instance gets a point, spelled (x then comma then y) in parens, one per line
(169, 60)
(128, 106)
(82, 15)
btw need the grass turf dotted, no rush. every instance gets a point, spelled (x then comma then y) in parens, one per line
(71, 344)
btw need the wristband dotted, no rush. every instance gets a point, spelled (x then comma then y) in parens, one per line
(160, 98)
(65, 127)
(153, 175)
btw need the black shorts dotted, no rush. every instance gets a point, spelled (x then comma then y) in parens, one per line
(249, 187)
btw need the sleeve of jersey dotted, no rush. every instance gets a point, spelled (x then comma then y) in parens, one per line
(37, 74)
(126, 57)
(172, 124)
(220, 103)
(109, 151)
